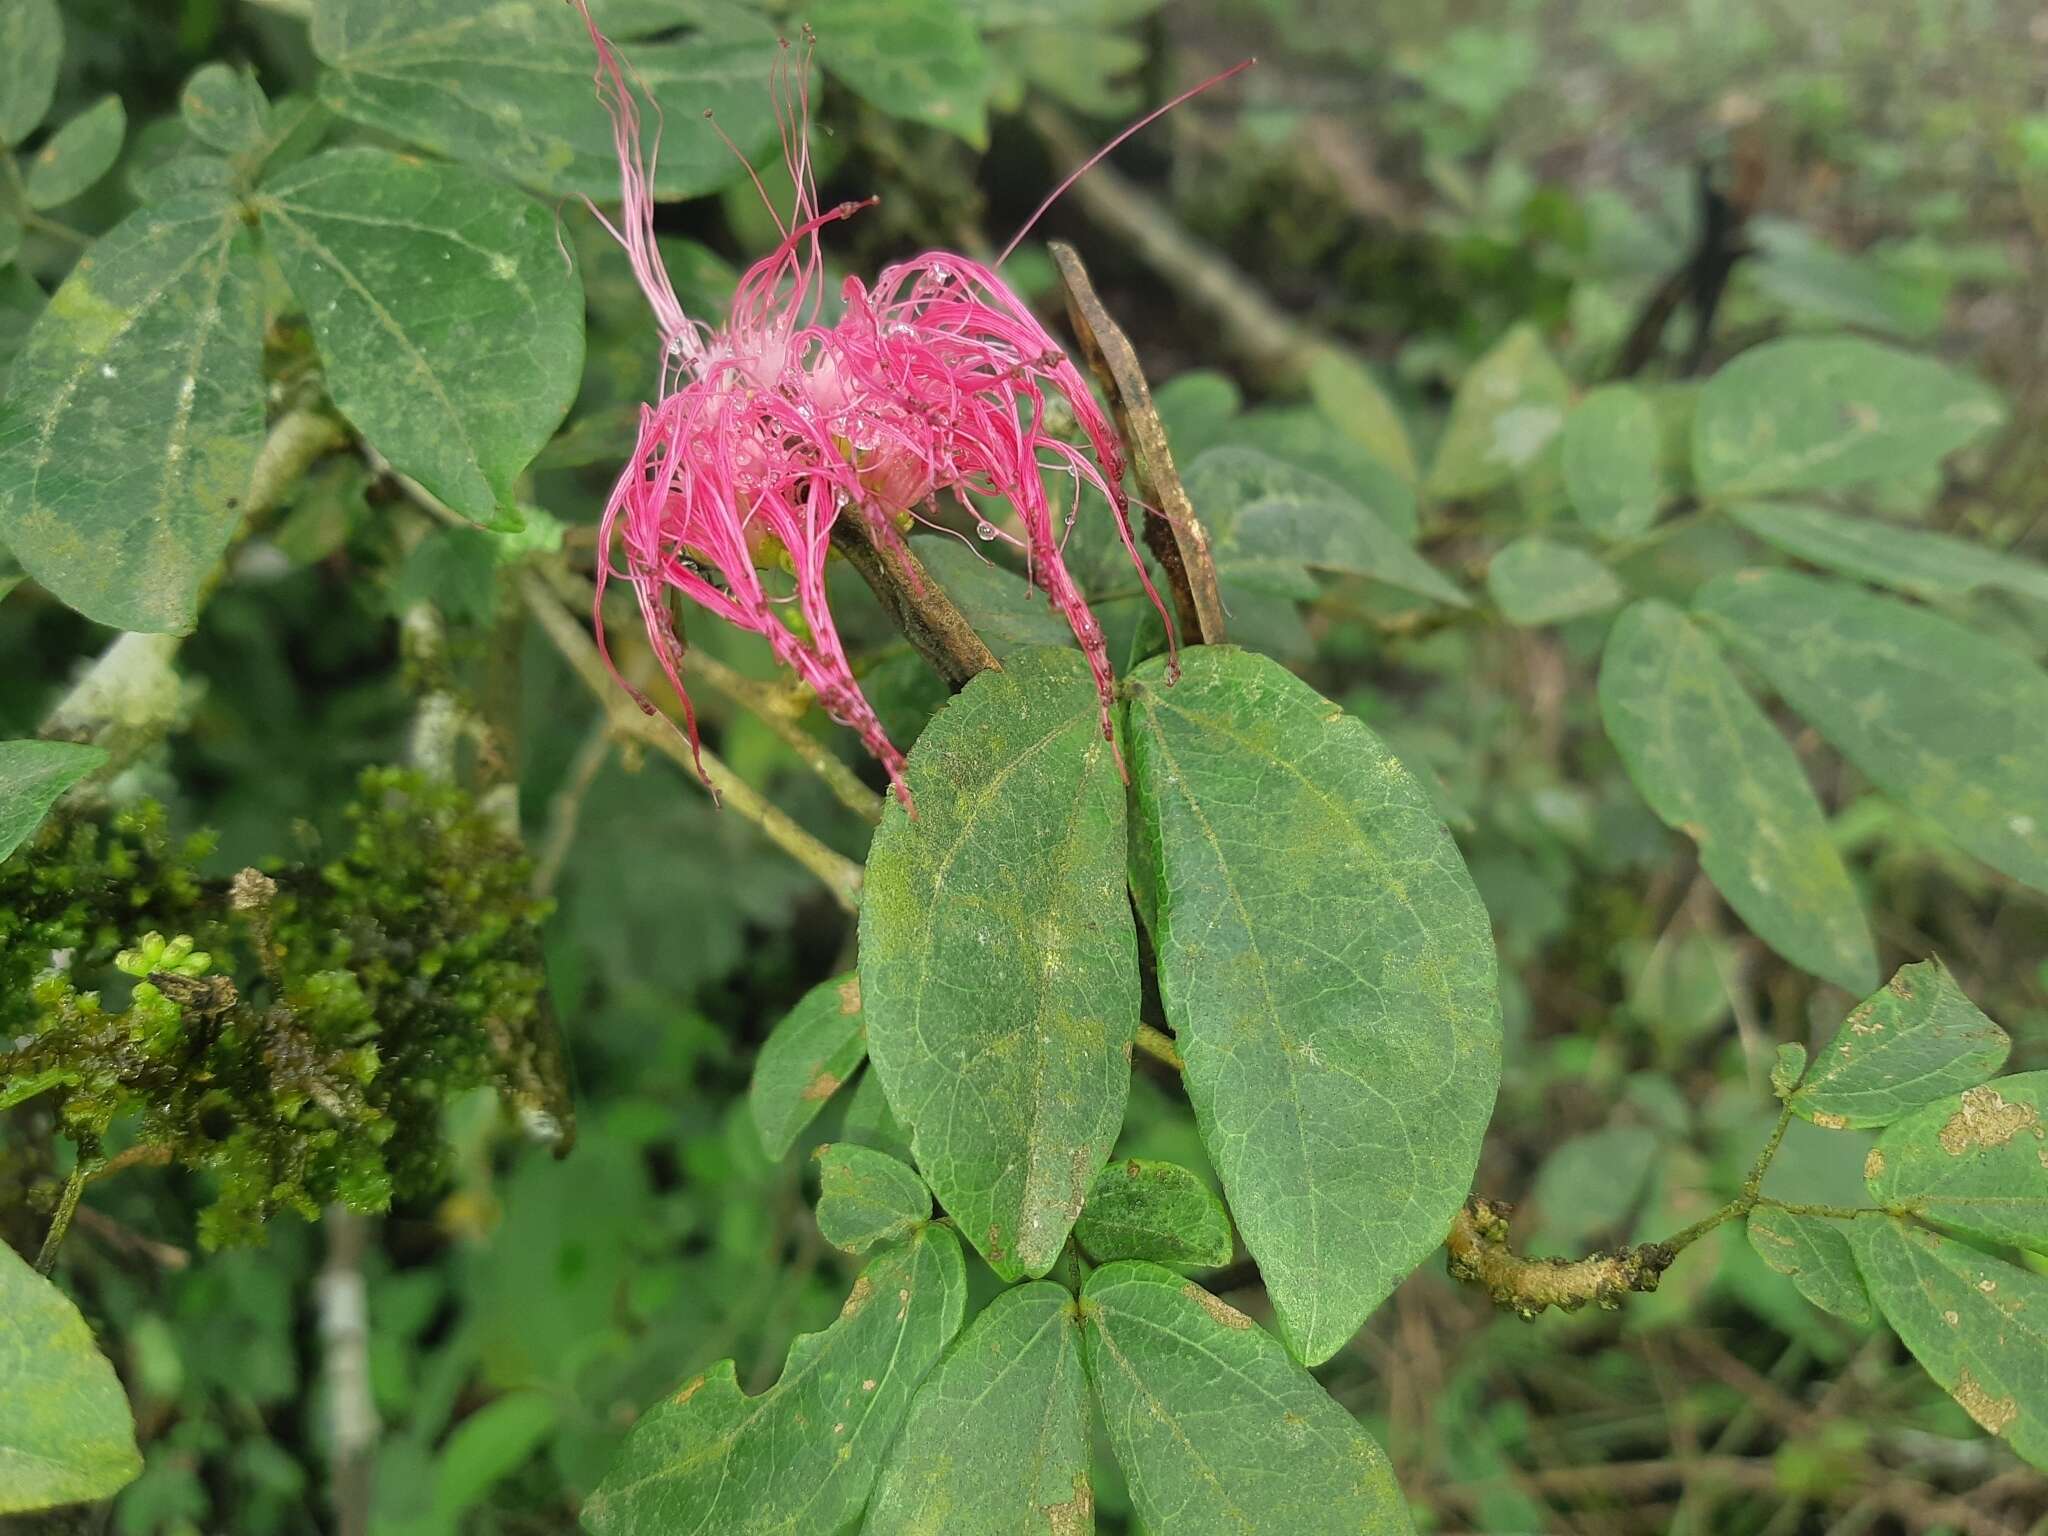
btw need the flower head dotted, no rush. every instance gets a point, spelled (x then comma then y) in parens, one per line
(932, 383)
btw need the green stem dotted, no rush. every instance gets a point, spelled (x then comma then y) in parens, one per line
(1832, 1212)
(67, 1203)
(1751, 1193)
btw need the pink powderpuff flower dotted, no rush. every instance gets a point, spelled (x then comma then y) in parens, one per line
(772, 426)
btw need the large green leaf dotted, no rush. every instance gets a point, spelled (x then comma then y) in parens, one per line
(800, 1458)
(805, 1059)
(1217, 1431)
(1540, 581)
(66, 1433)
(918, 59)
(1143, 1209)
(451, 333)
(1915, 1041)
(31, 49)
(506, 84)
(1979, 1326)
(1509, 407)
(1804, 414)
(1814, 1253)
(1329, 971)
(33, 774)
(1909, 559)
(134, 413)
(1975, 1162)
(1610, 461)
(1712, 765)
(1268, 520)
(867, 1197)
(998, 959)
(1004, 610)
(997, 1442)
(1949, 723)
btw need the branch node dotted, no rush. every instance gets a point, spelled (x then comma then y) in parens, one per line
(1478, 1254)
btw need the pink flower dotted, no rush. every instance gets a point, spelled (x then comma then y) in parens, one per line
(771, 427)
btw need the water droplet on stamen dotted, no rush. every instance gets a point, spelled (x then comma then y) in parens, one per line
(985, 530)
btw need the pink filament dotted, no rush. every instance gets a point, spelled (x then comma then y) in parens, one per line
(771, 426)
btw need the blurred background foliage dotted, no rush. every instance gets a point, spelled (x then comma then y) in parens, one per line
(1410, 181)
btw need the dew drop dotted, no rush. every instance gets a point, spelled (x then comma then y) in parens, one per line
(985, 530)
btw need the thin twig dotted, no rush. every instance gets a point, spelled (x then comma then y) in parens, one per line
(567, 808)
(345, 1341)
(840, 875)
(780, 709)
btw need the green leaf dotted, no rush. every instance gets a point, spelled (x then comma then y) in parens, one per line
(1975, 1162)
(488, 1446)
(998, 959)
(1787, 1067)
(1508, 408)
(1345, 391)
(31, 49)
(66, 1433)
(1915, 1041)
(1217, 1431)
(867, 1197)
(1141, 1209)
(1814, 1253)
(1804, 414)
(1268, 521)
(33, 776)
(1304, 437)
(818, 1045)
(1610, 461)
(506, 85)
(1713, 766)
(77, 155)
(1809, 276)
(870, 1122)
(1979, 1326)
(1908, 559)
(1329, 971)
(1004, 611)
(1950, 724)
(134, 413)
(226, 108)
(451, 333)
(801, 1457)
(915, 59)
(1539, 581)
(997, 1441)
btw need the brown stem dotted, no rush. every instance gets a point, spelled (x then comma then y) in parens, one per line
(1174, 533)
(1479, 1255)
(936, 628)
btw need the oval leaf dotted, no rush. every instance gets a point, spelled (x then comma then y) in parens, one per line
(997, 1441)
(1814, 1253)
(451, 333)
(31, 49)
(1508, 408)
(1329, 971)
(1976, 1162)
(1217, 1431)
(1913, 1042)
(817, 1047)
(998, 959)
(1539, 581)
(226, 108)
(33, 775)
(1804, 414)
(133, 416)
(1979, 1326)
(1141, 1209)
(66, 1433)
(1713, 766)
(1346, 393)
(710, 1461)
(1610, 461)
(78, 154)
(1947, 722)
(506, 85)
(1907, 559)
(867, 1197)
